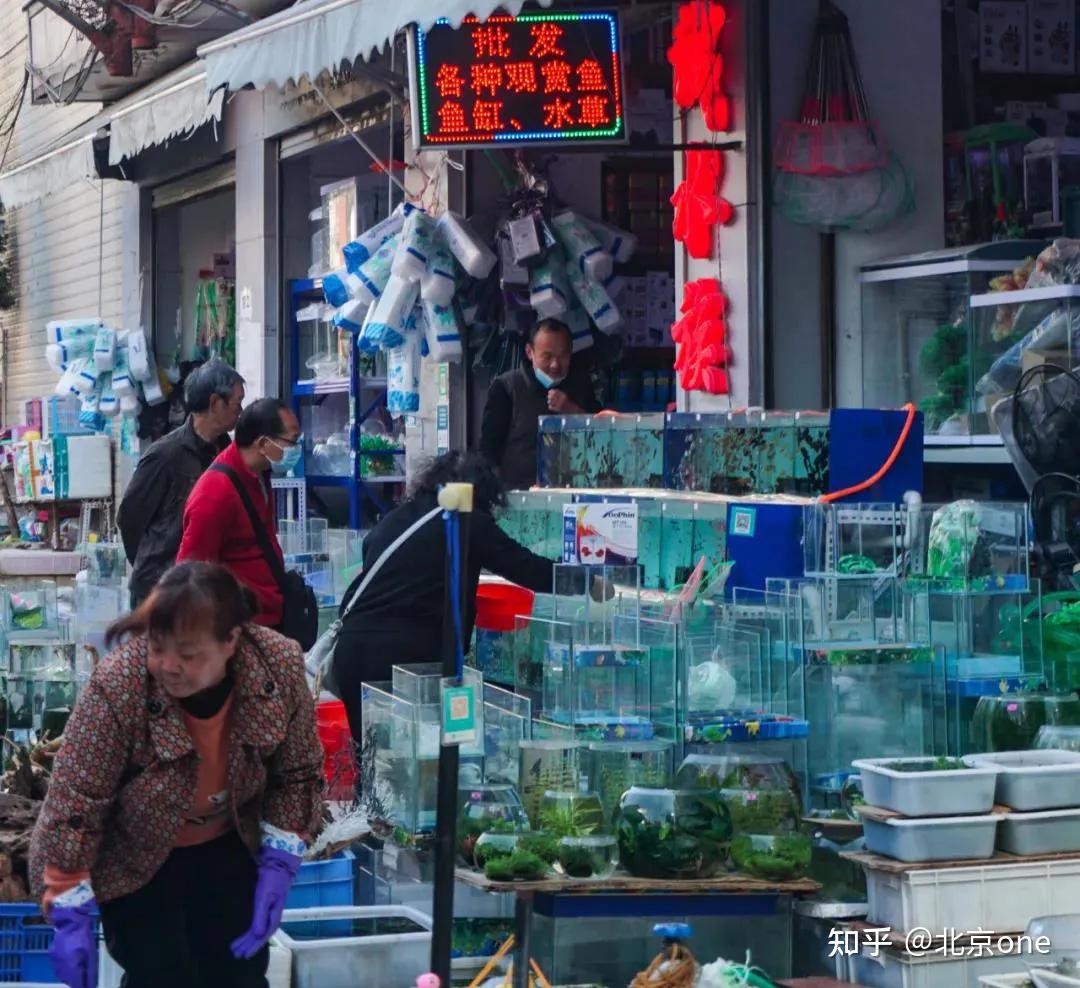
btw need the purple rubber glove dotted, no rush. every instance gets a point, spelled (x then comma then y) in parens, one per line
(74, 950)
(277, 869)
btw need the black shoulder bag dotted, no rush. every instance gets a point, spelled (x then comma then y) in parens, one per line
(300, 611)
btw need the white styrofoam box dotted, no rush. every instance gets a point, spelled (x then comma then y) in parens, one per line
(889, 970)
(999, 897)
(89, 466)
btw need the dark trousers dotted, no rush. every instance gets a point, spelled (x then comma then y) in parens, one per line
(175, 931)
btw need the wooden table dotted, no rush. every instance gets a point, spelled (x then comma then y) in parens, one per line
(624, 895)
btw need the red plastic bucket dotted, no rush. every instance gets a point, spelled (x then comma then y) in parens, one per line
(497, 604)
(339, 758)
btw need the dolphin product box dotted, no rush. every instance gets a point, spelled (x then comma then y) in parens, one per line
(600, 534)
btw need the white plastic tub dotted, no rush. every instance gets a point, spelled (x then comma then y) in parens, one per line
(374, 961)
(941, 792)
(949, 838)
(1035, 780)
(889, 970)
(1048, 832)
(999, 897)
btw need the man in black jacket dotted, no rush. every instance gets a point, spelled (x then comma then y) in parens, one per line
(152, 511)
(548, 383)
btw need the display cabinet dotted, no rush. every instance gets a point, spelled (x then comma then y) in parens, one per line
(507, 722)
(918, 338)
(637, 450)
(547, 764)
(612, 767)
(844, 540)
(30, 610)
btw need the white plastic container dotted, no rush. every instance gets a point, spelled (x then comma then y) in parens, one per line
(1048, 832)
(889, 970)
(1004, 981)
(945, 792)
(1035, 780)
(950, 838)
(999, 897)
(377, 961)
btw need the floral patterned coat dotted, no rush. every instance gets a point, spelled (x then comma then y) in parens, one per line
(125, 777)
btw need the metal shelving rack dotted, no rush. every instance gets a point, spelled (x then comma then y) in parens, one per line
(360, 488)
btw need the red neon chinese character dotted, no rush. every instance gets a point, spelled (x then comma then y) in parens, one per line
(490, 42)
(556, 77)
(520, 77)
(557, 113)
(591, 77)
(449, 82)
(452, 119)
(486, 77)
(486, 116)
(546, 39)
(592, 111)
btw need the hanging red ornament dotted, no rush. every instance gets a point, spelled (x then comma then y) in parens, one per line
(701, 335)
(698, 66)
(698, 206)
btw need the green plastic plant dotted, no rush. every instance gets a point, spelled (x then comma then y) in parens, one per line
(779, 858)
(691, 843)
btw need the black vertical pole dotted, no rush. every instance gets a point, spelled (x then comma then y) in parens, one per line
(446, 818)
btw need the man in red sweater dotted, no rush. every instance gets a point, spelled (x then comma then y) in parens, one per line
(217, 527)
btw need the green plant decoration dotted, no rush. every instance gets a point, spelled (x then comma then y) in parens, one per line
(691, 842)
(519, 866)
(781, 858)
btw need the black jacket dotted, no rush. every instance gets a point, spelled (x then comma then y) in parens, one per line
(151, 514)
(514, 403)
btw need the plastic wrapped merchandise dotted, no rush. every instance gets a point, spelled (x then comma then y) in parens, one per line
(89, 417)
(1057, 331)
(475, 256)
(385, 326)
(138, 355)
(108, 403)
(66, 330)
(59, 356)
(584, 249)
(437, 283)
(122, 382)
(403, 375)
(373, 274)
(441, 332)
(594, 300)
(104, 349)
(351, 315)
(153, 392)
(130, 405)
(618, 243)
(415, 243)
(334, 287)
(359, 250)
(580, 329)
(954, 536)
(549, 295)
(78, 379)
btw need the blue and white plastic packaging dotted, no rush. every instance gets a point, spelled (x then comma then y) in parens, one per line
(152, 391)
(386, 324)
(415, 243)
(594, 300)
(60, 355)
(442, 332)
(79, 378)
(475, 256)
(374, 273)
(580, 329)
(620, 244)
(549, 295)
(351, 315)
(66, 330)
(138, 355)
(403, 375)
(122, 383)
(108, 403)
(437, 282)
(582, 247)
(104, 349)
(334, 288)
(359, 250)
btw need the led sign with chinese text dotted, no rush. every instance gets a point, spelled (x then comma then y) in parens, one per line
(519, 80)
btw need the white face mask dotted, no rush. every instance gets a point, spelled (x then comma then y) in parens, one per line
(545, 380)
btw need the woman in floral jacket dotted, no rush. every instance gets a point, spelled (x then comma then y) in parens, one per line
(187, 787)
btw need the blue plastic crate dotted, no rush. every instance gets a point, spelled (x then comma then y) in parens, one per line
(25, 939)
(324, 883)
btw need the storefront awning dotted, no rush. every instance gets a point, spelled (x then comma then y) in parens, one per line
(174, 107)
(316, 35)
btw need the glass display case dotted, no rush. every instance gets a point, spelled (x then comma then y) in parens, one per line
(850, 613)
(612, 767)
(918, 338)
(1012, 721)
(1051, 165)
(637, 448)
(30, 610)
(811, 477)
(507, 722)
(106, 562)
(745, 773)
(970, 546)
(547, 764)
(485, 809)
(845, 540)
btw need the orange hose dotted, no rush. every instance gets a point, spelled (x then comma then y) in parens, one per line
(884, 468)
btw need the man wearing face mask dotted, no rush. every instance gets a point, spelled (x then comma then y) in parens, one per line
(217, 524)
(549, 382)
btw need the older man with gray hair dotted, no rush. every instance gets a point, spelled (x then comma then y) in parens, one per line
(152, 511)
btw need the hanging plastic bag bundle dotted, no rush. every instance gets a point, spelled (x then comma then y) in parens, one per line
(594, 300)
(475, 256)
(122, 383)
(373, 274)
(442, 333)
(138, 355)
(351, 315)
(78, 379)
(66, 330)
(580, 330)
(104, 349)
(385, 326)
(437, 282)
(415, 244)
(620, 244)
(60, 355)
(548, 291)
(88, 412)
(108, 403)
(130, 405)
(153, 392)
(584, 249)
(403, 374)
(356, 252)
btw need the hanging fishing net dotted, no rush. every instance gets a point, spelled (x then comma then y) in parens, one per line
(833, 169)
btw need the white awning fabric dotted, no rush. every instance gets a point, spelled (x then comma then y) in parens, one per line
(176, 106)
(313, 36)
(173, 106)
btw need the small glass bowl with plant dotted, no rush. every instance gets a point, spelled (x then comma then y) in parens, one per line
(487, 809)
